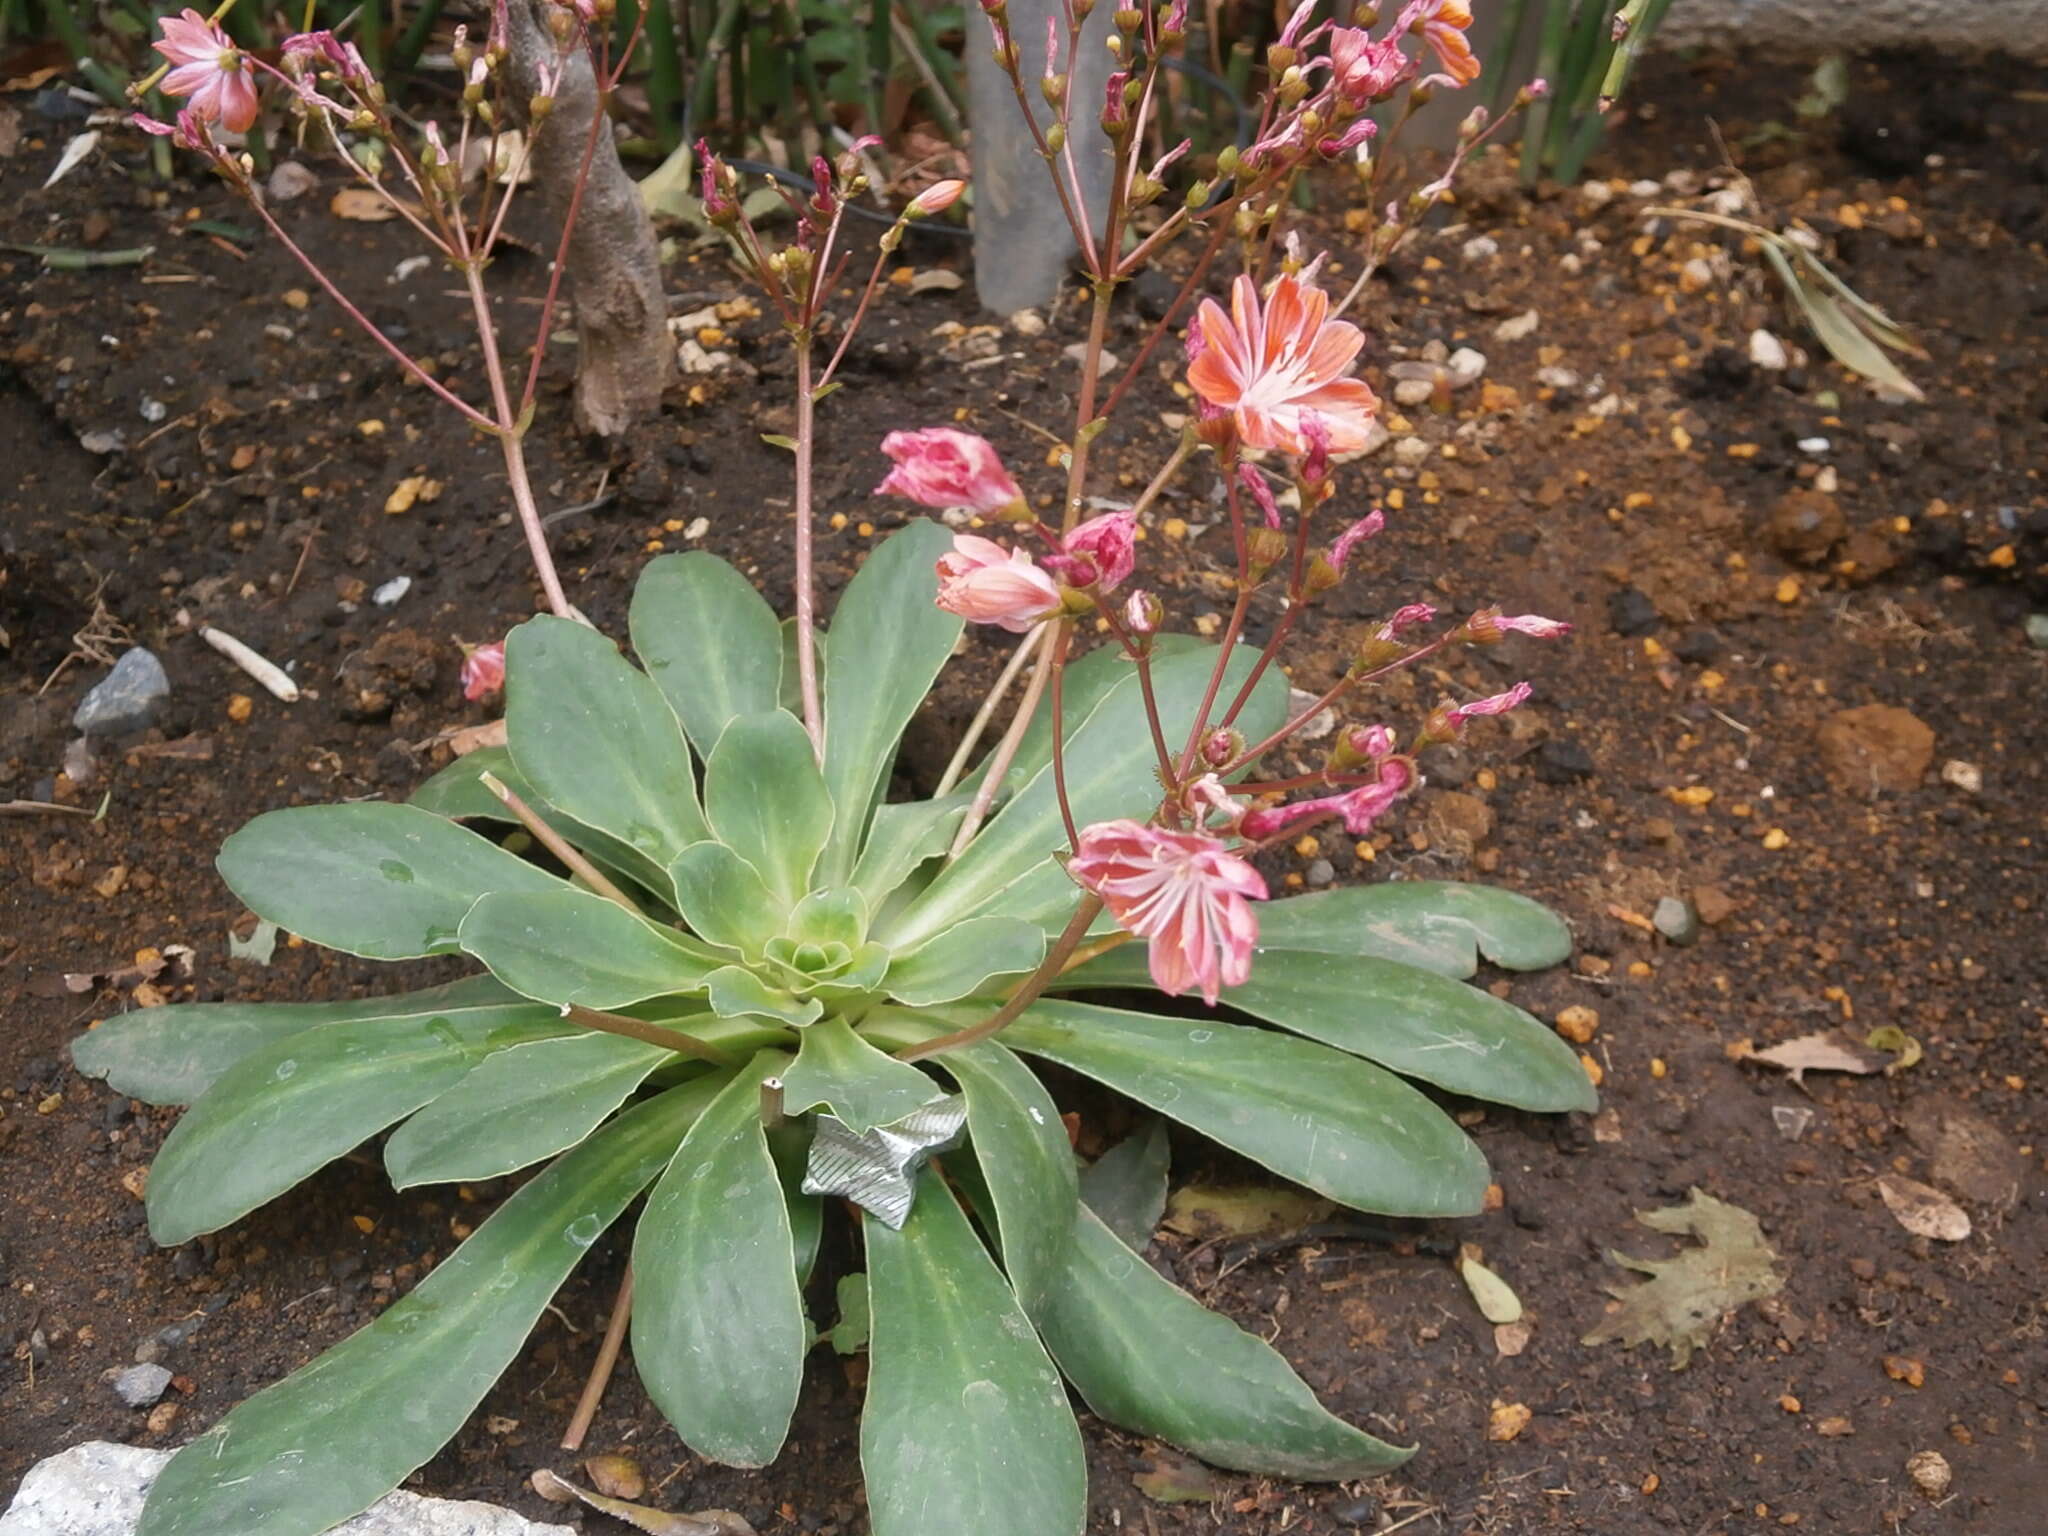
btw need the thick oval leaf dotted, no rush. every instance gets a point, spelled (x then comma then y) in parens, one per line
(1342, 1126)
(334, 1437)
(889, 639)
(966, 1426)
(1146, 1356)
(1412, 1021)
(568, 946)
(965, 959)
(389, 882)
(902, 837)
(173, 1055)
(1126, 1186)
(860, 1085)
(724, 899)
(766, 800)
(295, 1105)
(1111, 772)
(719, 1333)
(1438, 925)
(709, 640)
(790, 1145)
(458, 792)
(594, 736)
(1025, 1156)
(519, 1106)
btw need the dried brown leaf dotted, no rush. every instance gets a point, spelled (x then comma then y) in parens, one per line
(1827, 1050)
(1923, 1210)
(1685, 1298)
(655, 1522)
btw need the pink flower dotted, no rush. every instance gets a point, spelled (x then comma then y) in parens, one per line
(1366, 69)
(1408, 616)
(1359, 808)
(1533, 624)
(987, 584)
(936, 198)
(210, 69)
(483, 671)
(944, 467)
(1106, 546)
(1184, 892)
(1269, 363)
(1496, 704)
(1143, 614)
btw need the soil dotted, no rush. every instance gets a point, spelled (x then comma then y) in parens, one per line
(1737, 589)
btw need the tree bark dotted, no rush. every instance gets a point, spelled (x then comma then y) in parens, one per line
(624, 355)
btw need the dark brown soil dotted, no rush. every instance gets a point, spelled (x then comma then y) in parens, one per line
(1650, 499)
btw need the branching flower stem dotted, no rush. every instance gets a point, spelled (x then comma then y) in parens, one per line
(1027, 993)
(806, 596)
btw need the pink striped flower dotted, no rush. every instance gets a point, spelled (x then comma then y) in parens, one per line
(1103, 551)
(1359, 808)
(1442, 25)
(1366, 70)
(210, 69)
(1495, 704)
(1269, 362)
(987, 584)
(1184, 892)
(944, 467)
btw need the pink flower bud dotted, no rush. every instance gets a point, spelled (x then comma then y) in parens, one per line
(1495, 704)
(944, 467)
(483, 671)
(1108, 545)
(1254, 480)
(1143, 615)
(1220, 748)
(936, 198)
(986, 584)
(1366, 527)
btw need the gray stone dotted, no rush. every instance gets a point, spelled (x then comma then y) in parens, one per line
(1677, 920)
(139, 1386)
(97, 1489)
(1322, 872)
(127, 698)
(2037, 631)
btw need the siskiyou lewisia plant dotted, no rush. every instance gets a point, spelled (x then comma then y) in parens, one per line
(763, 918)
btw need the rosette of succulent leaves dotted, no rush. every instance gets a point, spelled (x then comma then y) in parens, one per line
(749, 918)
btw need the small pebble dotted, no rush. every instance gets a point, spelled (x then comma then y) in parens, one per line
(1930, 1472)
(1766, 351)
(1517, 327)
(1677, 920)
(391, 591)
(139, 1386)
(2037, 631)
(1356, 1512)
(1564, 379)
(127, 699)
(1321, 872)
(1967, 777)
(1814, 445)
(1466, 366)
(1413, 391)
(1481, 247)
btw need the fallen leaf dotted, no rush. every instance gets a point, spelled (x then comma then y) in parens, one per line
(1685, 1298)
(1512, 1338)
(73, 156)
(1496, 1300)
(1827, 1050)
(1507, 1420)
(1240, 1210)
(361, 205)
(616, 1476)
(655, 1522)
(474, 738)
(1171, 1478)
(1923, 1210)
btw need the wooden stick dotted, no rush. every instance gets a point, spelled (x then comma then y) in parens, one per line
(551, 840)
(640, 1029)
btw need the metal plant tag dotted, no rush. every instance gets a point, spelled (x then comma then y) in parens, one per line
(875, 1169)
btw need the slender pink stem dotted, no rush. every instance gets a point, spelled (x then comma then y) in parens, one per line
(806, 599)
(1054, 963)
(1330, 696)
(598, 119)
(1061, 638)
(860, 313)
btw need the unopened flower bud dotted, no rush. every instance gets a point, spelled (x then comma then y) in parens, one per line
(1227, 161)
(1054, 89)
(1279, 60)
(1143, 614)
(1473, 126)
(538, 108)
(1055, 138)
(1220, 748)
(936, 198)
(561, 26)
(1129, 19)
(1264, 549)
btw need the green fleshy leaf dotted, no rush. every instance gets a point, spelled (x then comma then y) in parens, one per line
(594, 736)
(1341, 1126)
(966, 1425)
(837, 916)
(294, 1105)
(568, 946)
(838, 1070)
(519, 1106)
(337, 1435)
(1110, 771)
(902, 837)
(1147, 1356)
(1411, 1021)
(849, 1336)
(388, 882)
(790, 1142)
(458, 792)
(737, 993)
(173, 1055)
(1438, 925)
(889, 639)
(724, 899)
(1022, 1148)
(1126, 1186)
(767, 801)
(719, 1332)
(965, 959)
(709, 640)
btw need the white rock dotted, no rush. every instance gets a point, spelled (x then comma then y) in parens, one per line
(1028, 322)
(1466, 366)
(1645, 188)
(1766, 351)
(391, 591)
(1967, 777)
(1481, 248)
(1557, 378)
(1814, 445)
(1517, 327)
(1412, 391)
(1410, 451)
(290, 179)
(139, 1386)
(1596, 194)
(97, 1489)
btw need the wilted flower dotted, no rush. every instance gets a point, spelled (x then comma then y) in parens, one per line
(210, 69)
(987, 584)
(1106, 547)
(1442, 24)
(1352, 537)
(1184, 892)
(1446, 724)
(483, 671)
(1366, 69)
(944, 467)
(1491, 624)
(1358, 808)
(1268, 363)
